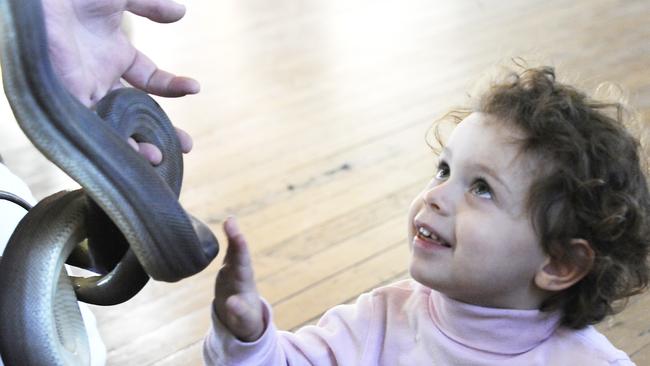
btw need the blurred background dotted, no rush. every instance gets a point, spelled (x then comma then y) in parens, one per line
(310, 128)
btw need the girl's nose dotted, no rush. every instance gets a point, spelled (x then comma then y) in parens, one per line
(438, 198)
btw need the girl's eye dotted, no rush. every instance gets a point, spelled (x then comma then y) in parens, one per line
(481, 189)
(443, 171)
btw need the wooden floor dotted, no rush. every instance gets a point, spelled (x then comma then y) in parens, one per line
(310, 128)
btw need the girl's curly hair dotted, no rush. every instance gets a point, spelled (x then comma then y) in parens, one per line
(591, 186)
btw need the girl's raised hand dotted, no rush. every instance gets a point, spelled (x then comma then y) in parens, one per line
(237, 302)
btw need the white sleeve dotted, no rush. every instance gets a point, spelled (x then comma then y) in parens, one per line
(11, 213)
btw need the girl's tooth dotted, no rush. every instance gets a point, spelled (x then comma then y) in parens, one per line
(426, 233)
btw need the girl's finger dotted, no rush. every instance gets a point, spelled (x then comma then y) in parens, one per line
(245, 317)
(237, 253)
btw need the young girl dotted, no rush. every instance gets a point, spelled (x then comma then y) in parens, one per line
(535, 223)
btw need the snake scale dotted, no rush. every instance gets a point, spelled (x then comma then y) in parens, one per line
(125, 224)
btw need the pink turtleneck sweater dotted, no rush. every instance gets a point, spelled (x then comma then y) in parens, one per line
(408, 324)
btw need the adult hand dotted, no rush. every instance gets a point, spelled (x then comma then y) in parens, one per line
(237, 302)
(91, 54)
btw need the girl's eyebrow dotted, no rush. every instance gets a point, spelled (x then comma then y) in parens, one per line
(478, 167)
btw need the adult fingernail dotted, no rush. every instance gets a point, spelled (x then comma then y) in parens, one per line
(133, 144)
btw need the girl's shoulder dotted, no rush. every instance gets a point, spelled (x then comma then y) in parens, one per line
(400, 293)
(587, 342)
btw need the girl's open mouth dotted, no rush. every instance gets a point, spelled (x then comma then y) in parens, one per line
(428, 238)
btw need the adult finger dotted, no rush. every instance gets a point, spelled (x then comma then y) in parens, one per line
(133, 144)
(145, 75)
(161, 11)
(185, 139)
(151, 152)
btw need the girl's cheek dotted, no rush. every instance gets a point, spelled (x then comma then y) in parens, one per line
(415, 207)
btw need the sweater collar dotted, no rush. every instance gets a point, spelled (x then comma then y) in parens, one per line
(503, 331)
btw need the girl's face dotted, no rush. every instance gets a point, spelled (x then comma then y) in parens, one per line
(470, 234)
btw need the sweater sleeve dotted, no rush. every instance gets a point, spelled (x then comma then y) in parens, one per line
(339, 338)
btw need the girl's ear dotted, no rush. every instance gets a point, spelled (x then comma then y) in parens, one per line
(558, 275)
